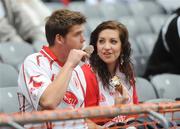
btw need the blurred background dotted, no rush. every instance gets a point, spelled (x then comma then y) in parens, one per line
(143, 18)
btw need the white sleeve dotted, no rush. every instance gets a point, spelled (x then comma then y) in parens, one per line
(33, 80)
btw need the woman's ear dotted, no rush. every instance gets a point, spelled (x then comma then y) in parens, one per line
(59, 39)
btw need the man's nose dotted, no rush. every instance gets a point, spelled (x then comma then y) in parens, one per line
(82, 38)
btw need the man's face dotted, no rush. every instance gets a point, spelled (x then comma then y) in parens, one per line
(75, 37)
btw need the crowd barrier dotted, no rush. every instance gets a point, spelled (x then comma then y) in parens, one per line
(163, 115)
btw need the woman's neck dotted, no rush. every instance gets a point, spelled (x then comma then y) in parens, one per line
(112, 68)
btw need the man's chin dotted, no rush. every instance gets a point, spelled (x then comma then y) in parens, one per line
(80, 48)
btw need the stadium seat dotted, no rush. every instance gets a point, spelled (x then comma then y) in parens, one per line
(140, 63)
(145, 90)
(114, 11)
(14, 53)
(8, 75)
(38, 45)
(145, 8)
(134, 47)
(77, 6)
(9, 100)
(136, 25)
(159, 100)
(92, 11)
(146, 42)
(93, 22)
(169, 5)
(54, 5)
(167, 85)
(156, 22)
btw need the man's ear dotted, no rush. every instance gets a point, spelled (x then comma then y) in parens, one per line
(59, 39)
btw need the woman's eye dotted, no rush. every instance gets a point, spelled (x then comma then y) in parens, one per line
(113, 41)
(101, 41)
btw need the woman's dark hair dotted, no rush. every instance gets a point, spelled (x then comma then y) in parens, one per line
(98, 65)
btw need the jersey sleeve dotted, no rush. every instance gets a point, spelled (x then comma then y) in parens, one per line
(33, 81)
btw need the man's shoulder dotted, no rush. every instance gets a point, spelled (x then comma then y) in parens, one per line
(32, 57)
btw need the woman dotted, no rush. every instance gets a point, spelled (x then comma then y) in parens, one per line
(111, 57)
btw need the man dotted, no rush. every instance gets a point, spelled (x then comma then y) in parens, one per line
(52, 78)
(165, 57)
(17, 25)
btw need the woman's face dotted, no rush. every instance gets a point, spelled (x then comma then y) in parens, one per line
(109, 46)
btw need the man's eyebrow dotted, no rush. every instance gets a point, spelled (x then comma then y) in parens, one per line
(79, 32)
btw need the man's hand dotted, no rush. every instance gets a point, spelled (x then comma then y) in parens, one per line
(75, 57)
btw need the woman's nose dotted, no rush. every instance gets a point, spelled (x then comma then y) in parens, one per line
(107, 46)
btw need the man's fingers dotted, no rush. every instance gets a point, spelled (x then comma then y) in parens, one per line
(89, 49)
(85, 56)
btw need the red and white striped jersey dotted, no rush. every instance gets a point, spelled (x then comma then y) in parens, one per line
(37, 72)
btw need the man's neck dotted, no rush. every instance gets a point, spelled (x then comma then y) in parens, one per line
(59, 53)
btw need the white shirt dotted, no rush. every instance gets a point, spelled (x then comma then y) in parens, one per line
(107, 97)
(37, 72)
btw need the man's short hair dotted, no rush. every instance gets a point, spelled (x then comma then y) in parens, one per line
(60, 22)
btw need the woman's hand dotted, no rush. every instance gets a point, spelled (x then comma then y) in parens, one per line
(124, 96)
(92, 125)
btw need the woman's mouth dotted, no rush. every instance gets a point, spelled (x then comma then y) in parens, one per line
(107, 53)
